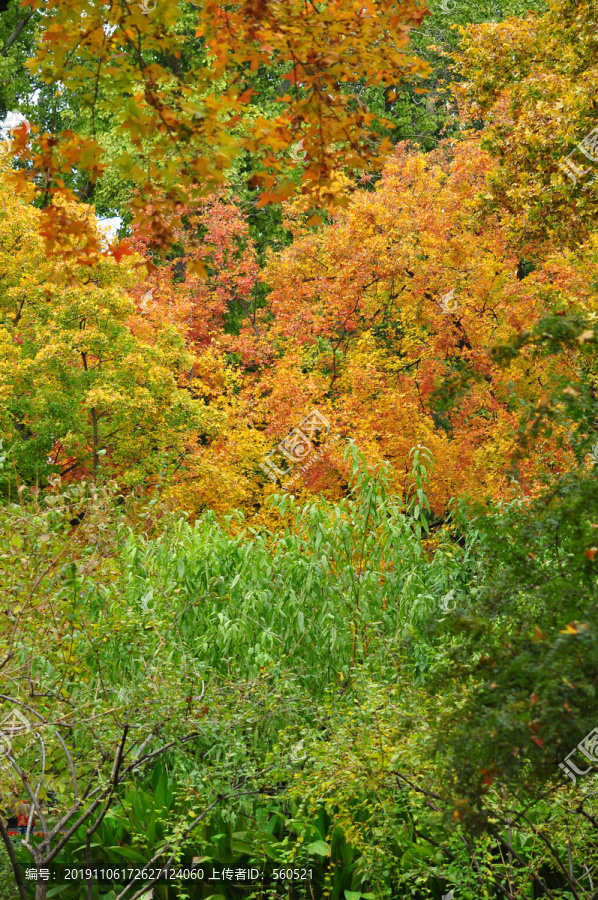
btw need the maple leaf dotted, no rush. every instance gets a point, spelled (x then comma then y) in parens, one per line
(189, 135)
(197, 267)
(123, 248)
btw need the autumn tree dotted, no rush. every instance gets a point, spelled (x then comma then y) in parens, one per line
(372, 337)
(537, 107)
(371, 314)
(78, 387)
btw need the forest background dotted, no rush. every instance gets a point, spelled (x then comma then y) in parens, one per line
(298, 469)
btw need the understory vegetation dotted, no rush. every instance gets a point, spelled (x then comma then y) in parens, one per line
(353, 693)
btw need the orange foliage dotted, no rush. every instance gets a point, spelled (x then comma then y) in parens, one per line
(183, 125)
(366, 319)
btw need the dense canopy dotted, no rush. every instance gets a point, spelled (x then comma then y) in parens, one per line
(298, 450)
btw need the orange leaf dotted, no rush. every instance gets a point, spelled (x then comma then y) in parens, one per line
(123, 248)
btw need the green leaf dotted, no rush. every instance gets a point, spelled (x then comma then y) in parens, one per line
(320, 847)
(129, 853)
(241, 847)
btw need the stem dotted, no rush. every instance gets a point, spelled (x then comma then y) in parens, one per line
(96, 458)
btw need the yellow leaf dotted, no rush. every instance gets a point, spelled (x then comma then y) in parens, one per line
(196, 267)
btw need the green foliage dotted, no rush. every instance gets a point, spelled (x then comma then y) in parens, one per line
(294, 686)
(17, 33)
(8, 885)
(536, 619)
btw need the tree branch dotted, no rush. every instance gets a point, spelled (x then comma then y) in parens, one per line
(16, 33)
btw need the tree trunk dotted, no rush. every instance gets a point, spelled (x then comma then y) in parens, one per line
(13, 859)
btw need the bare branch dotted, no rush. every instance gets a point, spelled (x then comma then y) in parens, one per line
(30, 791)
